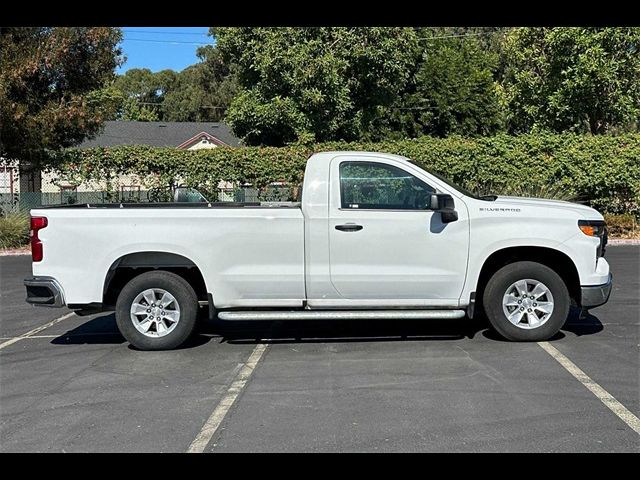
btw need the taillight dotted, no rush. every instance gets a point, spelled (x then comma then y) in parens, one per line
(37, 223)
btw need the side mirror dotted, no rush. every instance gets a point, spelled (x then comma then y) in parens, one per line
(443, 203)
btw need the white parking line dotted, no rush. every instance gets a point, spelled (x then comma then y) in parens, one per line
(213, 422)
(65, 335)
(605, 397)
(35, 330)
(30, 337)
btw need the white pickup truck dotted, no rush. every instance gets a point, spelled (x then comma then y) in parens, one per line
(375, 236)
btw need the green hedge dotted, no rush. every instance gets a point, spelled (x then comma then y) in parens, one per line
(601, 170)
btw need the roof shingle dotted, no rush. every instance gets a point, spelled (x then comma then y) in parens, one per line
(157, 134)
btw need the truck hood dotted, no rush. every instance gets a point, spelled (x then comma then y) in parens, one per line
(584, 211)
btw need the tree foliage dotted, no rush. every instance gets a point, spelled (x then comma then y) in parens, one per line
(453, 90)
(131, 109)
(570, 78)
(277, 86)
(52, 87)
(141, 93)
(313, 83)
(346, 83)
(144, 85)
(200, 92)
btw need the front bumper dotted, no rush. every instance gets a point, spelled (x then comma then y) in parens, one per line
(44, 292)
(596, 295)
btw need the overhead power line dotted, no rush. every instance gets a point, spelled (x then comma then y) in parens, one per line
(164, 41)
(212, 42)
(203, 34)
(163, 105)
(165, 32)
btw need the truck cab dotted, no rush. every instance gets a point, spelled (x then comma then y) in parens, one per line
(375, 239)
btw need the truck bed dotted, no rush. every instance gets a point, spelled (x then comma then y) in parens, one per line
(246, 253)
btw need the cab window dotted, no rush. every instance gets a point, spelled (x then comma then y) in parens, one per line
(378, 186)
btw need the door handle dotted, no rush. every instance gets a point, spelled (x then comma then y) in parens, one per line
(349, 227)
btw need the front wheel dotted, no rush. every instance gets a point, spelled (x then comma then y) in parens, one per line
(526, 301)
(157, 311)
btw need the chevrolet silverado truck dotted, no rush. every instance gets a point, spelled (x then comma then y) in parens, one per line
(374, 237)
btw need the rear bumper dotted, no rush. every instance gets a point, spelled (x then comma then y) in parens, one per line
(44, 292)
(596, 295)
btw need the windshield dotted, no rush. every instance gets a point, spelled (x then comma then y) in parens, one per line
(462, 190)
(457, 187)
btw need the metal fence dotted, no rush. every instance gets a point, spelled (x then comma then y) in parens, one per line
(24, 201)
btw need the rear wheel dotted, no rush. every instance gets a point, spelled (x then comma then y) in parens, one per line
(157, 311)
(526, 301)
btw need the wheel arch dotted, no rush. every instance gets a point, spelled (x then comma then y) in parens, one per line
(556, 260)
(129, 266)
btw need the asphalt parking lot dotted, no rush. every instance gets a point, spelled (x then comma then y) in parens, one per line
(445, 386)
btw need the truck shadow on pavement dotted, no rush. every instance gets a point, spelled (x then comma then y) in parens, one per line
(99, 330)
(103, 330)
(379, 330)
(334, 331)
(588, 325)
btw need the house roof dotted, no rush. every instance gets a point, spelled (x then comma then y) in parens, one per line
(158, 134)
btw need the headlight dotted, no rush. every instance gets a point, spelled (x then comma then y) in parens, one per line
(593, 228)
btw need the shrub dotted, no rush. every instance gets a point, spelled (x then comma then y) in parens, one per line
(603, 171)
(14, 230)
(622, 226)
(534, 190)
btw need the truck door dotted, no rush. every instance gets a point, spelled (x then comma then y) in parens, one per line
(385, 246)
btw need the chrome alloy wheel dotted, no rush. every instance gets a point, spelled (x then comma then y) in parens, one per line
(528, 304)
(155, 312)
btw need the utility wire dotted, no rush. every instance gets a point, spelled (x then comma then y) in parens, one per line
(206, 34)
(164, 41)
(200, 43)
(165, 32)
(163, 105)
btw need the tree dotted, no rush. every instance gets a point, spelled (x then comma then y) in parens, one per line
(313, 83)
(452, 89)
(132, 110)
(202, 92)
(143, 93)
(52, 87)
(569, 78)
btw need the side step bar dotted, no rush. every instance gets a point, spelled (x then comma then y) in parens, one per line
(341, 315)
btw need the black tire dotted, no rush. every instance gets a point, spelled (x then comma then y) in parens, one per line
(176, 286)
(505, 277)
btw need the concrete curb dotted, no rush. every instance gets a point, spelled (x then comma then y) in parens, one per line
(14, 251)
(623, 241)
